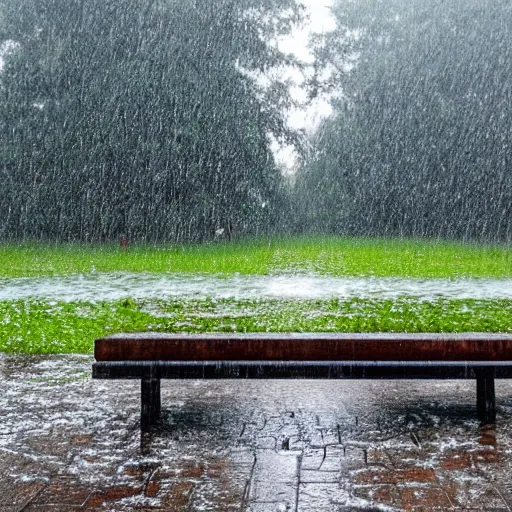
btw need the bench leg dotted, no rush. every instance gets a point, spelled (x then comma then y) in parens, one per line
(485, 396)
(150, 403)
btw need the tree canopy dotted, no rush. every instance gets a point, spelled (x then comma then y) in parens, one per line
(420, 141)
(140, 117)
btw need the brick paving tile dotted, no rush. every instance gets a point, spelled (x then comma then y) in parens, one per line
(176, 496)
(19, 494)
(321, 496)
(111, 495)
(426, 497)
(63, 492)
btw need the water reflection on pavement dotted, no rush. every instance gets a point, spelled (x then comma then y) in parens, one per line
(70, 443)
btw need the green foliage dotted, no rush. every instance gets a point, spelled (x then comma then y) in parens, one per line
(420, 137)
(139, 117)
(323, 255)
(56, 327)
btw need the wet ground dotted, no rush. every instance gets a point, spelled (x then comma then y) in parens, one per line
(69, 443)
(112, 286)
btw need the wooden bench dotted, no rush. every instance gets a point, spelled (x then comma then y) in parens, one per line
(154, 356)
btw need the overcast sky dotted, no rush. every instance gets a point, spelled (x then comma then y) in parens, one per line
(309, 116)
(320, 21)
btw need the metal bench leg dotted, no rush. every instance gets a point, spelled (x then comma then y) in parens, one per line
(150, 403)
(485, 396)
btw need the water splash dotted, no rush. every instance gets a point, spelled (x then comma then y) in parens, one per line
(114, 286)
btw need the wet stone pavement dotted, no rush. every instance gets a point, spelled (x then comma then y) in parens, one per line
(68, 443)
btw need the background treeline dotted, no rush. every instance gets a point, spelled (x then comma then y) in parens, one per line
(144, 118)
(139, 117)
(420, 143)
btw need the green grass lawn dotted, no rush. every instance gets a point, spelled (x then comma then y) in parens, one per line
(56, 327)
(36, 326)
(334, 256)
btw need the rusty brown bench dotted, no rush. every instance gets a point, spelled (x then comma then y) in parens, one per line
(154, 356)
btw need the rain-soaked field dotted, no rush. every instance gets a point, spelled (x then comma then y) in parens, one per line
(69, 443)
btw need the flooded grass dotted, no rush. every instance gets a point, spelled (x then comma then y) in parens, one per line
(322, 255)
(64, 322)
(32, 326)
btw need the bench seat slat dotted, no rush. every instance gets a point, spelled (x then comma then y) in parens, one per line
(305, 347)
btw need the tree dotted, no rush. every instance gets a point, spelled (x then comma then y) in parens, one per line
(139, 117)
(420, 142)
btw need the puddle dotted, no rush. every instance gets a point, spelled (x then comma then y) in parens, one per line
(114, 286)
